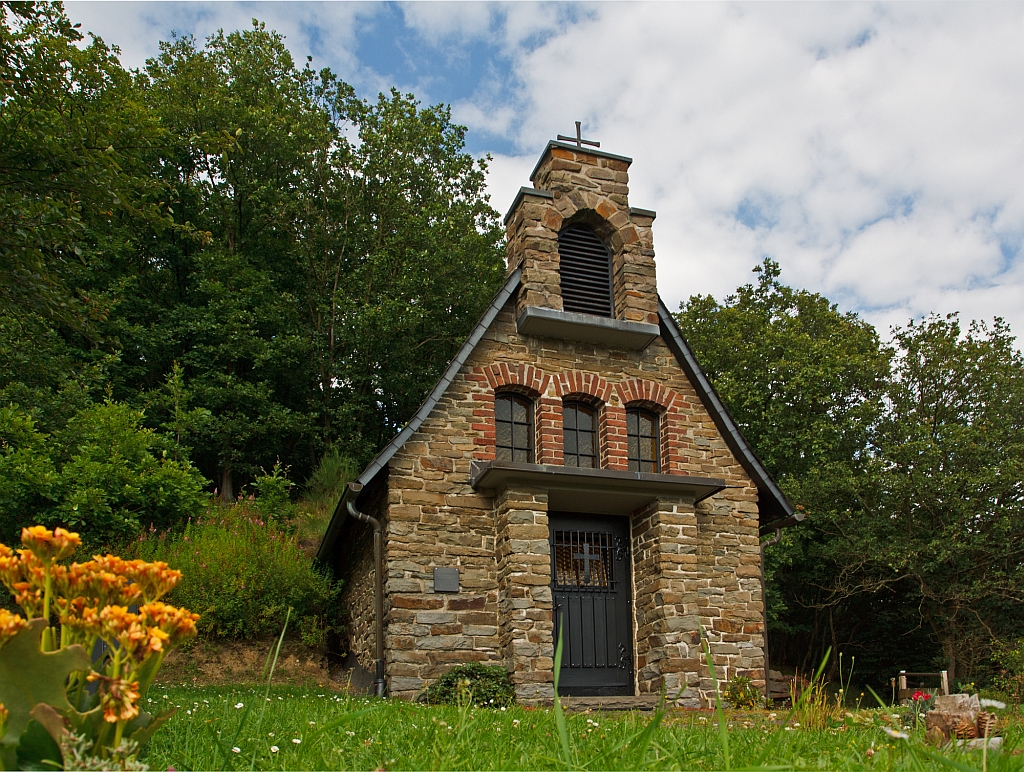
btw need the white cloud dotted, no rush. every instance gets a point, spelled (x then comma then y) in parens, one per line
(326, 30)
(875, 151)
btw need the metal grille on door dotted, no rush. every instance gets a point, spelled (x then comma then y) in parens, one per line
(583, 560)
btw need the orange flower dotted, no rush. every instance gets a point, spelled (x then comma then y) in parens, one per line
(12, 568)
(49, 545)
(117, 697)
(10, 625)
(91, 580)
(30, 600)
(178, 624)
(154, 579)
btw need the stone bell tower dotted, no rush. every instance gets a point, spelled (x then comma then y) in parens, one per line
(579, 189)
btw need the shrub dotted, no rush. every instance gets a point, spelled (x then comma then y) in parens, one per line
(273, 500)
(242, 573)
(487, 686)
(741, 693)
(103, 475)
(1010, 678)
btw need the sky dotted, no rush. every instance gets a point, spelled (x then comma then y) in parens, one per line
(874, 150)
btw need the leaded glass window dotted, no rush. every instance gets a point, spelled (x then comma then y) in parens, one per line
(642, 434)
(513, 424)
(579, 428)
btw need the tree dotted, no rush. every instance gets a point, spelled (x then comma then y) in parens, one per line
(350, 249)
(944, 502)
(71, 134)
(908, 461)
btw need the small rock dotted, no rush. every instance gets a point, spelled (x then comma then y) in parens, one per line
(978, 744)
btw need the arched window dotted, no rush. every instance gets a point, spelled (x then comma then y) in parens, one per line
(585, 268)
(642, 434)
(579, 428)
(513, 425)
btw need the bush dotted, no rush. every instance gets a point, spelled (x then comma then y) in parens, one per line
(1010, 679)
(103, 475)
(242, 573)
(741, 693)
(487, 686)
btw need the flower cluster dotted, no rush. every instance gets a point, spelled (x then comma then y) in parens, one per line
(105, 599)
(920, 696)
(10, 625)
(118, 698)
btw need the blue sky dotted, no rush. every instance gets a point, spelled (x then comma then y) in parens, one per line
(875, 150)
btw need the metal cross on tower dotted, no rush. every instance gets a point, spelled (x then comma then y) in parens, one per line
(587, 557)
(580, 142)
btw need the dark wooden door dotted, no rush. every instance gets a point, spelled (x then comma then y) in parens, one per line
(591, 584)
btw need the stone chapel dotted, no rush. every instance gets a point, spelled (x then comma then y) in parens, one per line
(572, 474)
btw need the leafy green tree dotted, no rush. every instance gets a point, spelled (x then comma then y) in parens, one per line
(805, 384)
(907, 460)
(944, 504)
(350, 249)
(400, 270)
(72, 135)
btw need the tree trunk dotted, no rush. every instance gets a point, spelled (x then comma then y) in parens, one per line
(227, 488)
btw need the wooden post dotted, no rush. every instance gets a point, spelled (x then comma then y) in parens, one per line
(945, 681)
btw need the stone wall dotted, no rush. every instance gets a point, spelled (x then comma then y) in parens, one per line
(524, 591)
(695, 566)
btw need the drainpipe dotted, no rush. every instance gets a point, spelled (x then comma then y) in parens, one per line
(764, 600)
(379, 685)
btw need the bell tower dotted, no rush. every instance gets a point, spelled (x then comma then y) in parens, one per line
(586, 256)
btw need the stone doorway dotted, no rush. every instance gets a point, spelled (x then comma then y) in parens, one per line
(593, 610)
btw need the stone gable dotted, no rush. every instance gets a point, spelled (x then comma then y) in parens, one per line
(695, 566)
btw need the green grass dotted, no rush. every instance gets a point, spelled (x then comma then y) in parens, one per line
(337, 732)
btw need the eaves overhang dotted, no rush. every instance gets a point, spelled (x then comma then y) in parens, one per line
(598, 491)
(773, 506)
(354, 489)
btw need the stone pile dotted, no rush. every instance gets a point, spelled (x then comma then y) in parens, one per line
(959, 716)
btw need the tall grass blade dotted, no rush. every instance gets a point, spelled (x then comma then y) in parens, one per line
(268, 670)
(798, 704)
(563, 732)
(945, 761)
(723, 728)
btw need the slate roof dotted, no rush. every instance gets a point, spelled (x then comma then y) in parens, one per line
(773, 504)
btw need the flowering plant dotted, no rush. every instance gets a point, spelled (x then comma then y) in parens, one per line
(86, 675)
(921, 702)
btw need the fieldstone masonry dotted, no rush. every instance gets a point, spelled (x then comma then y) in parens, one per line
(696, 566)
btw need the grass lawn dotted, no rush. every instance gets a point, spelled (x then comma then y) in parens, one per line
(222, 728)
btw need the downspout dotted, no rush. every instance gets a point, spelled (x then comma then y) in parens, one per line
(764, 600)
(379, 684)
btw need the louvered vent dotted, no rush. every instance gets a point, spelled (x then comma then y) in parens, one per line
(585, 267)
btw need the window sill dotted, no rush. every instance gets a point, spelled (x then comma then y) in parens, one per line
(597, 491)
(568, 325)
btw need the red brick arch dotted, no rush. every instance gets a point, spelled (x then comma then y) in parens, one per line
(521, 377)
(572, 382)
(650, 393)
